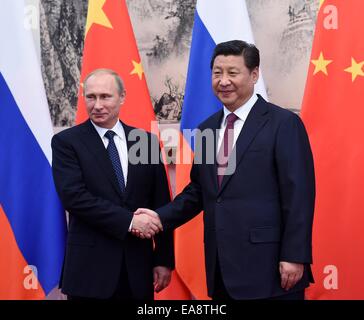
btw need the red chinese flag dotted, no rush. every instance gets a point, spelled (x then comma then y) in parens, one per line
(110, 43)
(333, 112)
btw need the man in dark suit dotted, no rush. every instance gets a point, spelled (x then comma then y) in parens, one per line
(101, 188)
(258, 206)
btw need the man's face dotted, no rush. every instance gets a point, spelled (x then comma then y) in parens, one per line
(103, 100)
(232, 81)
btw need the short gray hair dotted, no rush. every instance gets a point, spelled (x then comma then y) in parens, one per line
(118, 81)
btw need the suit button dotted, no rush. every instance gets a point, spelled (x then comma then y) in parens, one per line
(219, 200)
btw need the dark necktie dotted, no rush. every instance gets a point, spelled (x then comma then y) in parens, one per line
(226, 147)
(115, 159)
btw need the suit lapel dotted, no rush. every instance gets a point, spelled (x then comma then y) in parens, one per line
(131, 168)
(94, 144)
(255, 121)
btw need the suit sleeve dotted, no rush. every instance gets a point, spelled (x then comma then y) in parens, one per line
(185, 206)
(78, 200)
(164, 242)
(296, 180)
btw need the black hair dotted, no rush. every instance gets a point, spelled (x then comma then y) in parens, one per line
(236, 48)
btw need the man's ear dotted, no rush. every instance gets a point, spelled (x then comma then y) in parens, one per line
(122, 97)
(255, 74)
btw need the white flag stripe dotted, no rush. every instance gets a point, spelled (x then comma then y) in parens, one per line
(21, 70)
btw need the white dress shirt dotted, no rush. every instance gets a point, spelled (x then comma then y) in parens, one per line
(120, 142)
(121, 146)
(242, 112)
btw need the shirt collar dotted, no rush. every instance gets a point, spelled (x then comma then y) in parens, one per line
(118, 129)
(243, 111)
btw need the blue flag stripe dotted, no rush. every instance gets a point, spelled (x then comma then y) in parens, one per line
(200, 101)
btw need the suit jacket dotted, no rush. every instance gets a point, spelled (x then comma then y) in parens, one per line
(98, 241)
(263, 212)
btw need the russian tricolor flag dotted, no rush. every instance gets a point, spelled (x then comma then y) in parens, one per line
(215, 21)
(32, 220)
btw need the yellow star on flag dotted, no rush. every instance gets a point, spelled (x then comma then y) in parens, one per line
(321, 64)
(96, 15)
(138, 69)
(356, 69)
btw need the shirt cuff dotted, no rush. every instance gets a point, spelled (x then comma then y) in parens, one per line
(131, 225)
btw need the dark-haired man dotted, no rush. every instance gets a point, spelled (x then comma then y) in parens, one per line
(258, 215)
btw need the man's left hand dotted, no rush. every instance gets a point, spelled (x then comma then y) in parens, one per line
(162, 278)
(291, 273)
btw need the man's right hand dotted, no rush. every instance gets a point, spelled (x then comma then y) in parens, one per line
(146, 223)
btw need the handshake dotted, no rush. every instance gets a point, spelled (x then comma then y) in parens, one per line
(146, 223)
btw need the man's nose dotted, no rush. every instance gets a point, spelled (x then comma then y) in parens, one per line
(225, 80)
(98, 104)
